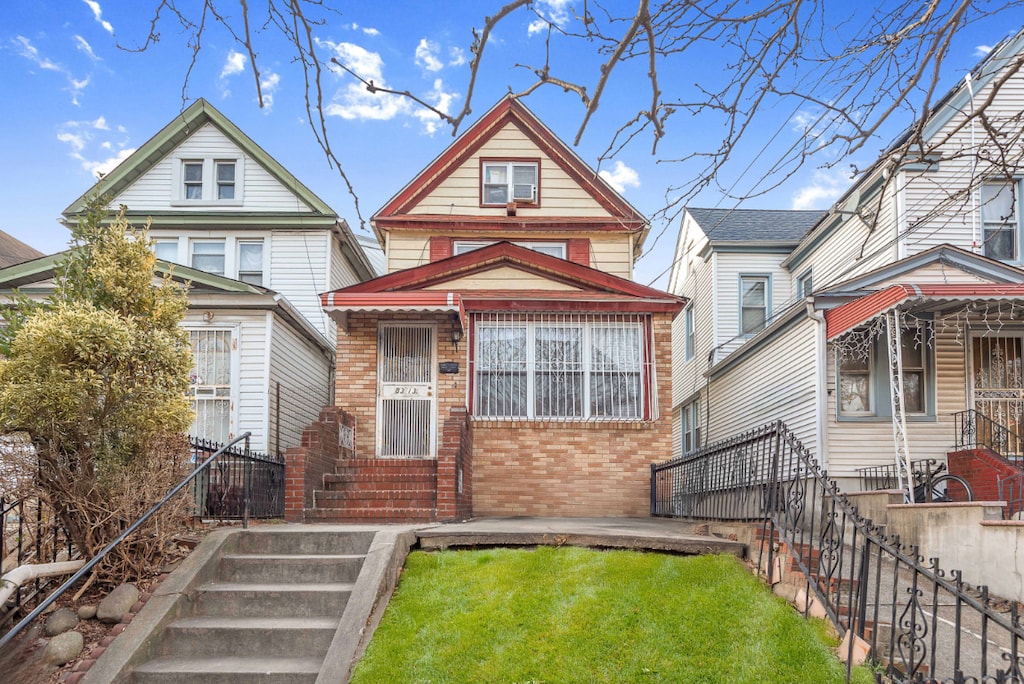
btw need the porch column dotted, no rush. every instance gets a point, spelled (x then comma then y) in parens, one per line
(894, 330)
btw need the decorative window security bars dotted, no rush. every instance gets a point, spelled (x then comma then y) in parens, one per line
(221, 490)
(562, 367)
(921, 622)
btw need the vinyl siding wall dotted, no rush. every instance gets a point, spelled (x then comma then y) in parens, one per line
(728, 269)
(459, 193)
(609, 254)
(775, 382)
(298, 264)
(156, 191)
(304, 374)
(853, 445)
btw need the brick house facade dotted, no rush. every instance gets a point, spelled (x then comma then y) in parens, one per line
(506, 364)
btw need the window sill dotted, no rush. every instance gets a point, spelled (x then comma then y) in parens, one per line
(563, 423)
(206, 203)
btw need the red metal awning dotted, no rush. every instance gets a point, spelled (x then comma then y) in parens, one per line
(339, 304)
(848, 316)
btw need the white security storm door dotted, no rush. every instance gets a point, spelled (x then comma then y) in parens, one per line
(211, 385)
(998, 388)
(406, 407)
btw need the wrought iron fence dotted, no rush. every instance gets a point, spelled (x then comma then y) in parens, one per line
(921, 622)
(1011, 490)
(976, 430)
(29, 533)
(238, 476)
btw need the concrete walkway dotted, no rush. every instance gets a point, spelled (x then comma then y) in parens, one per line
(643, 534)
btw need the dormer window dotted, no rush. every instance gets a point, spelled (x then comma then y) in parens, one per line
(509, 181)
(208, 182)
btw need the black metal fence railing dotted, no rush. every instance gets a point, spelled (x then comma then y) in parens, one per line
(29, 533)
(920, 621)
(221, 490)
(975, 430)
(95, 560)
(1011, 490)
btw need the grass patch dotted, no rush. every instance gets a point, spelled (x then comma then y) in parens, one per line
(579, 615)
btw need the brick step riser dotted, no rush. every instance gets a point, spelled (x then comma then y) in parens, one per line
(383, 483)
(249, 641)
(387, 463)
(313, 543)
(371, 494)
(258, 569)
(282, 604)
(382, 503)
(368, 515)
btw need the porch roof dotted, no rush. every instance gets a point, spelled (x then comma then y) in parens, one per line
(848, 316)
(340, 303)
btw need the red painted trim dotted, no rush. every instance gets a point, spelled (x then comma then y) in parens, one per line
(440, 248)
(848, 316)
(524, 259)
(474, 304)
(490, 224)
(508, 110)
(578, 251)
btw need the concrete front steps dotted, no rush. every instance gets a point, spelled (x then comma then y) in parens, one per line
(377, 490)
(283, 604)
(269, 615)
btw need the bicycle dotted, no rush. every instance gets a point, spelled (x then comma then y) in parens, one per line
(933, 485)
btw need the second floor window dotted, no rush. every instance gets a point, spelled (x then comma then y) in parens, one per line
(209, 182)
(999, 221)
(166, 250)
(193, 179)
(250, 261)
(555, 249)
(225, 180)
(688, 322)
(505, 182)
(208, 255)
(753, 304)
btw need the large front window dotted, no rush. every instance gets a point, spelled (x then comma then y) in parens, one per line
(564, 367)
(864, 375)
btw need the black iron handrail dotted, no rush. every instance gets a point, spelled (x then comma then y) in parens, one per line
(867, 582)
(976, 430)
(87, 568)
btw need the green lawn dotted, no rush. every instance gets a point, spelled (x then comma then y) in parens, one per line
(578, 615)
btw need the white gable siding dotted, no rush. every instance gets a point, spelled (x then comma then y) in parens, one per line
(775, 382)
(300, 375)
(342, 274)
(298, 263)
(688, 375)
(936, 274)
(728, 270)
(155, 190)
(459, 193)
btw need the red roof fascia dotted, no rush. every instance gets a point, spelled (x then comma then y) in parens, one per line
(448, 224)
(501, 253)
(516, 300)
(508, 110)
(418, 298)
(848, 316)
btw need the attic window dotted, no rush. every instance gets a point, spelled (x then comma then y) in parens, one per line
(509, 181)
(208, 182)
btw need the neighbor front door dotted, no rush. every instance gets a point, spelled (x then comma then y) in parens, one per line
(406, 390)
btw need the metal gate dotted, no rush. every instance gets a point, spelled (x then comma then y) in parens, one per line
(406, 426)
(998, 386)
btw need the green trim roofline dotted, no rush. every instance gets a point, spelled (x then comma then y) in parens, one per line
(171, 136)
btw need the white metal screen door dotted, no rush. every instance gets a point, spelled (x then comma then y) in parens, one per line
(211, 385)
(405, 391)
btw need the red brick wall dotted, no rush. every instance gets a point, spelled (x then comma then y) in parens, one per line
(305, 465)
(982, 470)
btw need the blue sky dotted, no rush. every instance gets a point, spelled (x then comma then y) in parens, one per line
(75, 104)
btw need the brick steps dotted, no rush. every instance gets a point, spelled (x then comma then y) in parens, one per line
(377, 490)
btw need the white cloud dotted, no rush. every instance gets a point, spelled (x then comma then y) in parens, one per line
(97, 12)
(89, 146)
(268, 86)
(29, 51)
(426, 55)
(234, 64)
(621, 177)
(368, 30)
(442, 101)
(550, 11)
(355, 101)
(83, 45)
(456, 56)
(825, 188)
(982, 50)
(102, 168)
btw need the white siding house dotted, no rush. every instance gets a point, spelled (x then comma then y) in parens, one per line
(928, 242)
(258, 247)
